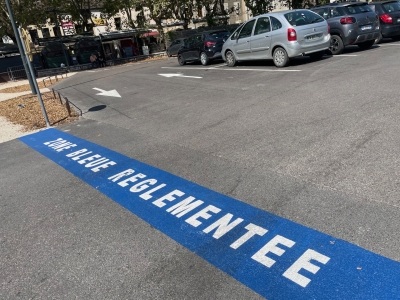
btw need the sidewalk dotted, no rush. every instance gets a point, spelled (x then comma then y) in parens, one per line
(10, 131)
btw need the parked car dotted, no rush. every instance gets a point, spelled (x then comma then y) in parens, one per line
(278, 36)
(175, 46)
(352, 23)
(389, 19)
(203, 47)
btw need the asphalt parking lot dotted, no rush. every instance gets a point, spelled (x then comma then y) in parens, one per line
(315, 143)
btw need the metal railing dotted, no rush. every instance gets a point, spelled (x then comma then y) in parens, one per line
(18, 72)
(52, 72)
(64, 101)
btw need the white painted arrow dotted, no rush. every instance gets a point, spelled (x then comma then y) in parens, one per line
(112, 93)
(178, 75)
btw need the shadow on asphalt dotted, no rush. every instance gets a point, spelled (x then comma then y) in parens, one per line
(97, 108)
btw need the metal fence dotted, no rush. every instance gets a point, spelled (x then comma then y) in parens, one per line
(64, 101)
(18, 72)
(52, 72)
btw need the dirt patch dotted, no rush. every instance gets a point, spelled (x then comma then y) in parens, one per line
(26, 111)
(26, 87)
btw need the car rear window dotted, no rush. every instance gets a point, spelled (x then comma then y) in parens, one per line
(391, 6)
(357, 9)
(323, 12)
(303, 17)
(219, 35)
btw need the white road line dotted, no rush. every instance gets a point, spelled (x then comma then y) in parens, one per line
(186, 68)
(234, 69)
(340, 55)
(381, 45)
(261, 70)
(217, 66)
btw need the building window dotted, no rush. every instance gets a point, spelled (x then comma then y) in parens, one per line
(117, 23)
(45, 32)
(57, 31)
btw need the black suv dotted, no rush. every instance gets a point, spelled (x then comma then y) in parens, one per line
(203, 47)
(389, 18)
(351, 23)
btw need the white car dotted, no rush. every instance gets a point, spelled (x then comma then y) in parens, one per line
(278, 36)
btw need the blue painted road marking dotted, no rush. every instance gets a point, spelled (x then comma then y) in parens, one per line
(275, 257)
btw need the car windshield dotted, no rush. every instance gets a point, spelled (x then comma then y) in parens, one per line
(391, 6)
(356, 9)
(303, 17)
(219, 35)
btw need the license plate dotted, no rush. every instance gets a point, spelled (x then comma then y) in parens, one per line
(313, 37)
(366, 27)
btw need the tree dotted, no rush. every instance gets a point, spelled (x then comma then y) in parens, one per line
(258, 7)
(156, 10)
(183, 10)
(216, 14)
(111, 7)
(26, 12)
(78, 11)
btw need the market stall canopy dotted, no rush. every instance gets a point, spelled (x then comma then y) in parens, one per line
(8, 48)
(149, 34)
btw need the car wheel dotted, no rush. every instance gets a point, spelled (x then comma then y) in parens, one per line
(379, 38)
(336, 46)
(168, 54)
(181, 61)
(396, 38)
(317, 55)
(281, 59)
(230, 58)
(366, 45)
(204, 59)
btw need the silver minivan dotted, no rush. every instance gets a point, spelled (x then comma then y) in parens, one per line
(278, 36)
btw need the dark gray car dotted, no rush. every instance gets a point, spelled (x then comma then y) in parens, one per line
(351, 23)
(175, 46)
(389, 18)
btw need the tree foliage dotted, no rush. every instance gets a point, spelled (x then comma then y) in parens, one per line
(138, 13)
(26, 12)
(258, 7)
(216, 14)
(126, 7)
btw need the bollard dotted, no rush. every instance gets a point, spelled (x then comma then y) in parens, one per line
(67, 105)
(59, 96)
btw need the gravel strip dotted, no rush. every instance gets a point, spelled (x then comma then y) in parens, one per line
(10, 131)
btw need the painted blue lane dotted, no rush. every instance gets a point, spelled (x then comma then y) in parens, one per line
(277, 258)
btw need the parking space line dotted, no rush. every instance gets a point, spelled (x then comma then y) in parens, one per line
(222, 65)
(350, 55)
(381, 45)
(234, 69)
(261, 70)
(186, 68)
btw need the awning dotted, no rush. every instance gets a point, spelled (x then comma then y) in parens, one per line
(148, 34)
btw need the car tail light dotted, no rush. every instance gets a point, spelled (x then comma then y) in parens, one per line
(386, 18)
(209, 43)
(347, 20)
(291, 35)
